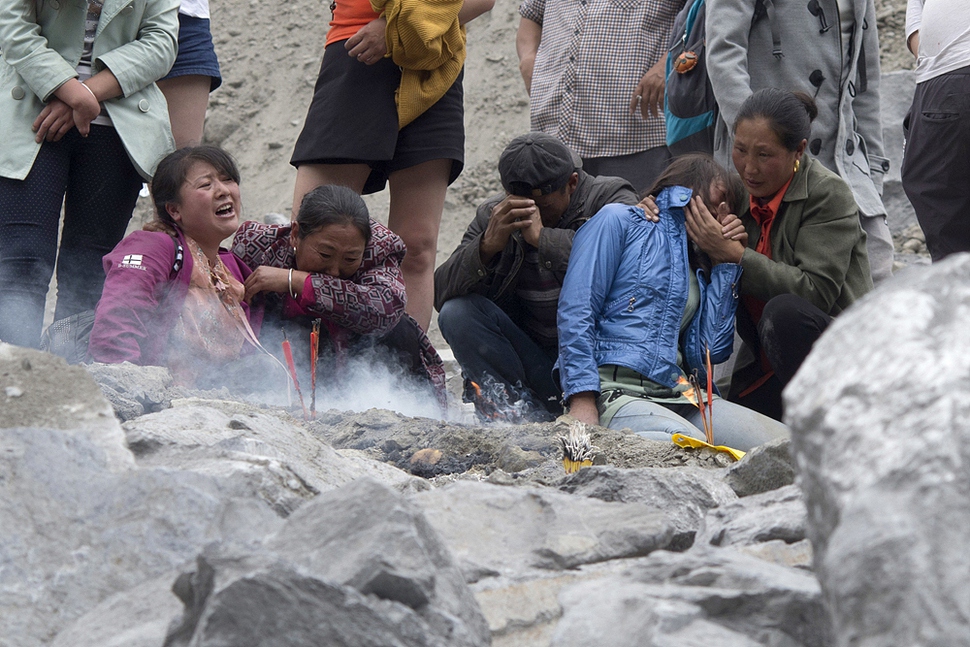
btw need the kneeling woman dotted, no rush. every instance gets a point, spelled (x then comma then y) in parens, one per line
(172, 296)
(337, 265)
(643, 301)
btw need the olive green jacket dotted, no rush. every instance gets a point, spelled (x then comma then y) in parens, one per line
(41, 42)
(818, 251)
(818, 248)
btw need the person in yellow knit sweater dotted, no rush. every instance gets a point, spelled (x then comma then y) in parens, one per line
(387, 109)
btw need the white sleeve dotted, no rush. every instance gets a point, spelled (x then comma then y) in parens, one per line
(914, 17)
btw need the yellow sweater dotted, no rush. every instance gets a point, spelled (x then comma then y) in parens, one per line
(426, 41)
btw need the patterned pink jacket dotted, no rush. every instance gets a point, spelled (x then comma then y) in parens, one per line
(371, 302)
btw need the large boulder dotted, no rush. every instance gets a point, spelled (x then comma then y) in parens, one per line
(495, 530)
(683, 494)
(880, 419)
(775, 515)
(359, 565)
(706, 596)
(42, 390)
(261, 453)
(73, 531)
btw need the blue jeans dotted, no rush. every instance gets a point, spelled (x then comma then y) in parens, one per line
(491, 348)
(98, 186)
(734, 425)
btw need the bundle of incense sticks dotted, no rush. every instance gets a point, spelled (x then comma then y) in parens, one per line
(291, 365)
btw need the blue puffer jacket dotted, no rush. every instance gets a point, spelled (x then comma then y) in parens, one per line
(625, 293)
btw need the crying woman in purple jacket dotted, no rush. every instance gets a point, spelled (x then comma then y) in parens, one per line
(172, 296)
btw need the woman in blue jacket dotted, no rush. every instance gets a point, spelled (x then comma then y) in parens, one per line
(644, 301)
(82, 124)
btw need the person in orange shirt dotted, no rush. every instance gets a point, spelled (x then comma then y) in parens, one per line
(362, 132)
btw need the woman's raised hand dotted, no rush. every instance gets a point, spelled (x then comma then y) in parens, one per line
(273, 279)
(707, 233)
(731, 226)
(650, 209)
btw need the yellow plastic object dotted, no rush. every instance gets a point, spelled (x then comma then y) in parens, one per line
(686, 441)
(572, 467)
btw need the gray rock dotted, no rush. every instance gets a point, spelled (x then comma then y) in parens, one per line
(34, 393)
(73, 532)
(138, 617)
(620, 613)
(716, 596)
(133, 390)
(377, 578)
(881, 434)
(775, 515)
(682, 494)
(766, 467)
(258, 453)
(494, 530)
(277, 606)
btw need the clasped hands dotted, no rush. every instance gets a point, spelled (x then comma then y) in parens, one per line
(514, 213)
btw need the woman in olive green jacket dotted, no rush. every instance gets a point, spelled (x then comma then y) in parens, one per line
(805, 260)
(81, 121)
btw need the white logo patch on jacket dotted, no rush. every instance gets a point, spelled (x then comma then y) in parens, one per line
(131, 261)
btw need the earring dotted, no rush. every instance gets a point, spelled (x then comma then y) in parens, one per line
(797, 163)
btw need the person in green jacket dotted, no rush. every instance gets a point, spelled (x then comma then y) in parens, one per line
(805, 259)
(82, 123)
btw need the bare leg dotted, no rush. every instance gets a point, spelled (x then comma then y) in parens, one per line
(417, 200)
(188, 98)
(310, 176)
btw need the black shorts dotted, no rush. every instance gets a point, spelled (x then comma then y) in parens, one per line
(353, 120)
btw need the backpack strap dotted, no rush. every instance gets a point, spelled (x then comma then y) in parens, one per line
(766, 9)
(179, 258)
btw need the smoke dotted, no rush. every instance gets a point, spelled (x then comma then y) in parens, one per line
(369, 378)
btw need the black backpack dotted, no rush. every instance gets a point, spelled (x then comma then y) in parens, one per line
(690, 108)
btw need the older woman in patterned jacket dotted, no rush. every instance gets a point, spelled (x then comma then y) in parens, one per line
(337, 265)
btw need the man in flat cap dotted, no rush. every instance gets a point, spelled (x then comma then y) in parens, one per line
(497, 293)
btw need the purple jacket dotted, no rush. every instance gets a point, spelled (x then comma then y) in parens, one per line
(143, 297)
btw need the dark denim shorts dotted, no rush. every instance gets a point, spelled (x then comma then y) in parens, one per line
(196, 54)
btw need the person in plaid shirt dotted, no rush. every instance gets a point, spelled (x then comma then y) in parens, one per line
(594, 70)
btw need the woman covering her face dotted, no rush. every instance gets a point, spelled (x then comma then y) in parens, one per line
(172, 296)
(643, 303)
(336, 264)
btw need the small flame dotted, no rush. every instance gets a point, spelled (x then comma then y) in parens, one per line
(689, 392)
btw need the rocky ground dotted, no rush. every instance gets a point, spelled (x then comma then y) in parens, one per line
(136, 514)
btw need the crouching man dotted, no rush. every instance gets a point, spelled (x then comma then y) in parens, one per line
(497, 293)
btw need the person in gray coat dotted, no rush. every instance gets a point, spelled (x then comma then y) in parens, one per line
(497, 294)
(829, 49)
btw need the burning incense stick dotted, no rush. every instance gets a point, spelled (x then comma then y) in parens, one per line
(288, 354)
(314, 353)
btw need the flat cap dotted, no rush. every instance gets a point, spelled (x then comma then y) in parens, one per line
(536, 164)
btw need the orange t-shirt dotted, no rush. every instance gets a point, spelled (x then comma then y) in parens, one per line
(348, 17)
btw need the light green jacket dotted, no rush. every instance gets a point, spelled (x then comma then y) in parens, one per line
(41, 42)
